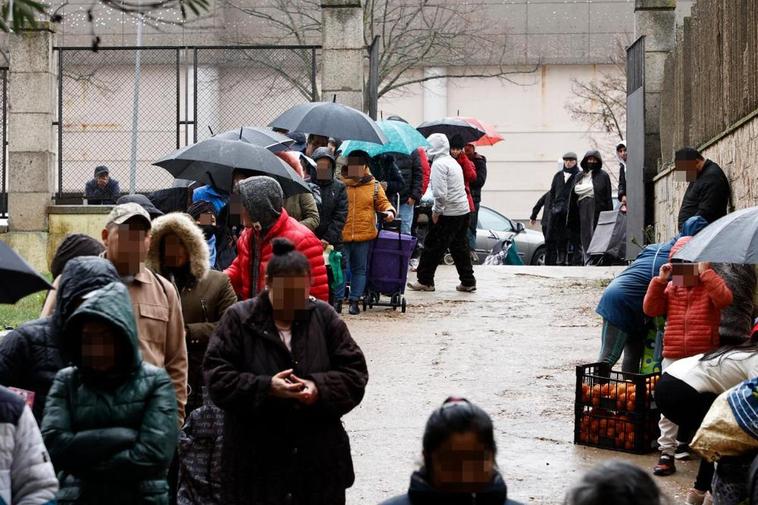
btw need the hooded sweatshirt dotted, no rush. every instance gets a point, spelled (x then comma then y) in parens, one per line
(111, 435)
(448, 185)
(692, 313)
(31, 355)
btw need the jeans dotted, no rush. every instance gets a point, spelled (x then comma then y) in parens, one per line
(473, 222)
(449, 232)
(614, 341)
(356, 262)
(406, 218)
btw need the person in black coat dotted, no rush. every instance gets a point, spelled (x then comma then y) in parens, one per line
(558, 233)
(31, 355)
(480, 162)
(102, 189)
(544, 201)
(591, 194)
(385, 170)
(708, 193)
(284, 369)
(333, 207)
(410, 194)
(621, 156)
(459, 460)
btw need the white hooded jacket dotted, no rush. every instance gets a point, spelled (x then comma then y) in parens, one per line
(448, 186)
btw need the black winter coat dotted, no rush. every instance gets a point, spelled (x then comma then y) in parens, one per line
(413, 176)
(560, 191)
(31, 355)
(622, 181)
(384, 169)
(332, 211)
(601, 183)
(543, 202)
(706, 196)
(279, 451)
(480, 162)
(420, 492)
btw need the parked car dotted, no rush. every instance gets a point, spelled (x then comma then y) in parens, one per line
(493, 227)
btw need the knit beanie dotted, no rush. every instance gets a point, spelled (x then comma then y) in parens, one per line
(73, 246)
(200, 207)
(263, 199)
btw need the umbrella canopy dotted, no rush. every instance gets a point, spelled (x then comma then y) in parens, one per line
(215, 159)
(402, 138)
(260, 136)
(490, 137)
(18, 278)
(731, 239)
(451, 126)
(330, 119)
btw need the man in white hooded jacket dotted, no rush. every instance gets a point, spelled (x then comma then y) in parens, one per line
(450, 220)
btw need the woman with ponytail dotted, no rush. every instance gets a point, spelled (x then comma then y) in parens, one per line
(285, 369)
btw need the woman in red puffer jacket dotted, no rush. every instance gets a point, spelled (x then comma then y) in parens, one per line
(266, 220)
(469, 169)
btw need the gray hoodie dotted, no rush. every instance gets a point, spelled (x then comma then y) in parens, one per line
(448, 186)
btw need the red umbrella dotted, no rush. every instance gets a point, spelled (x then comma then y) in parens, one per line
(491, 136)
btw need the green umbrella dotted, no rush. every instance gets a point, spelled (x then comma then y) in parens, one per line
(402, 138)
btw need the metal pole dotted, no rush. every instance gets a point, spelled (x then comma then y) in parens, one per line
(373, 78)
(314, 89)
(194, 103)
(186, 96)
(135, 111)
(60, 123)
(178, 99)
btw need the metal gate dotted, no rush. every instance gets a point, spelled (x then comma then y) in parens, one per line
(4, 128)
(185, 94)
(635, 134)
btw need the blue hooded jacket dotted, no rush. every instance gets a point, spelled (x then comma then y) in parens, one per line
(621, 303)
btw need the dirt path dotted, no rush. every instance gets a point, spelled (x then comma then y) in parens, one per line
(511, 347)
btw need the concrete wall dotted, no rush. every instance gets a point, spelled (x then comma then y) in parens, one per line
(736, 153)
(530, 113)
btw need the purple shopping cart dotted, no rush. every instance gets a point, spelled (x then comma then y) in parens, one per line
(388, 268)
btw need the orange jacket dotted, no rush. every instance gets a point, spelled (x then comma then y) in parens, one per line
(362, 207)
(692, 314)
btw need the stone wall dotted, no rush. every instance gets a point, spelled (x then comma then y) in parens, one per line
(737, 153)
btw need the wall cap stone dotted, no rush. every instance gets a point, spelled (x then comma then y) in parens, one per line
(79, 209)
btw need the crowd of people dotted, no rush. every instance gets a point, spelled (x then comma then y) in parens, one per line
(199, 357)
(699, 322)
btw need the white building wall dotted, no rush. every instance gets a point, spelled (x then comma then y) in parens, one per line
(532, 117)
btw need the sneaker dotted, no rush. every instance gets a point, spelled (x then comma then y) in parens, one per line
(417, 286)
(695, 497)
(665, 466)
(354, 310)
(465, 289)
(683, 452)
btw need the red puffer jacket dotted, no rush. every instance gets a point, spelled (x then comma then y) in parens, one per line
(692, 314)
(469, 176)
(305, 241)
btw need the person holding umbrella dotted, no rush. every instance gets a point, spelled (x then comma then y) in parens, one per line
(450, 215)
(264, 219)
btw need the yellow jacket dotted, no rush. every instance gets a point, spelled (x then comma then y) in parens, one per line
(365, 197)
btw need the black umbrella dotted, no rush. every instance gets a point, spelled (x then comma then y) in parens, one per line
(18, 278)
(215, 159)
(260, 136)
(330, 119)
(451, 126)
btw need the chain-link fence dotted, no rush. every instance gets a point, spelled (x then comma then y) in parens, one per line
(184, 94)
(4, 132)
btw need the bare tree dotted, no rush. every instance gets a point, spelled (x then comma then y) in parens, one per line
(601, 102)
(414, 34)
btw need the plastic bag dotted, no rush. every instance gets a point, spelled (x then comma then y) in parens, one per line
(335, 262)
(721, 434)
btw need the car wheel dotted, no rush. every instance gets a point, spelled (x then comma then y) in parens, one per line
(539, 256)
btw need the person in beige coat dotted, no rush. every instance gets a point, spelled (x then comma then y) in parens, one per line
(179, 252)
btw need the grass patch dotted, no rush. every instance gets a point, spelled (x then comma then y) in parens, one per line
(26, 309)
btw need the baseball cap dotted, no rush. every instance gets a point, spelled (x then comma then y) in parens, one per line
(102, 169)
(143, 202)
(125, 211)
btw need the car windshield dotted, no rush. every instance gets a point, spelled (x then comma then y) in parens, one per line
(491, 220)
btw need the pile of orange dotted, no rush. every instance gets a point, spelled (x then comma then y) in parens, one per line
(624, 393)
(600, 423)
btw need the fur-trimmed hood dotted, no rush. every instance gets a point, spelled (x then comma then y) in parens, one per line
(191, 236)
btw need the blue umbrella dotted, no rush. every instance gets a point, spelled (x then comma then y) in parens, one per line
(402, 138)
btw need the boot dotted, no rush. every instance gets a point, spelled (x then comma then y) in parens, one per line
(354, 310)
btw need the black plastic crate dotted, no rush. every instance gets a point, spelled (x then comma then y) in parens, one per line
(615, 410)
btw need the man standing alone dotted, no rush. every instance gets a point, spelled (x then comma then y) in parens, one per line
(708, 192)
(450, 220)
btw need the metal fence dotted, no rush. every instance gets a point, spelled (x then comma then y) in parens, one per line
(186, 94)
(4, 128)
